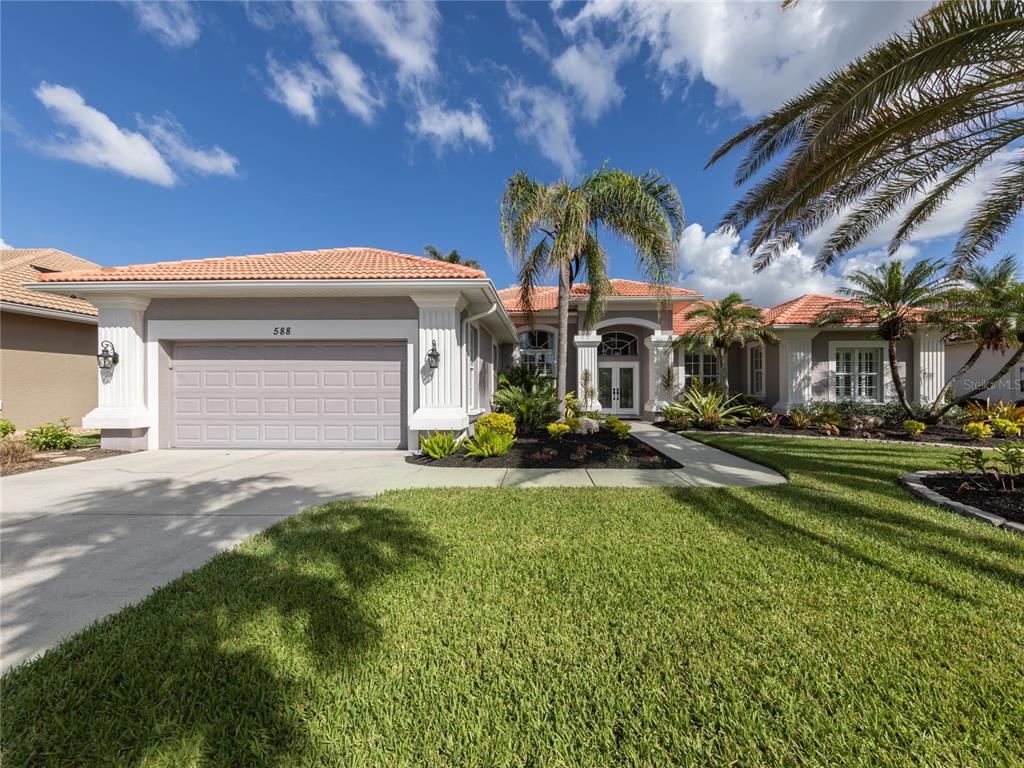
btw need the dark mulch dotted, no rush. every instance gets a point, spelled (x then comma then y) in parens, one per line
(601, 450)
(47, 460)
(1008, 504)
(934, 434)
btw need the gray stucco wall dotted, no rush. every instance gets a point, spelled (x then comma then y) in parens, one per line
(313, 308)
(771, 374)
(1009, 388)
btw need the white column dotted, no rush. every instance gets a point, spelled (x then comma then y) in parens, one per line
(122, 389)
(586, 360)
(930, 364)
(439, 389)
(660, 345)
(796, 365)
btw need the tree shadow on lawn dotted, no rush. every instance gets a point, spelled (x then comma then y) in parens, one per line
(220, 665)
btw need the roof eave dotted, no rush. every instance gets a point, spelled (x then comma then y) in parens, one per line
(53, 314)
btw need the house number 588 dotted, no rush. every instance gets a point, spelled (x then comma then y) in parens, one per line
(283, 330)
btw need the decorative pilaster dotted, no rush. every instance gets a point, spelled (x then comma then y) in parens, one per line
(439, 389)
(660, 345)
(930, 364)
(122, 389)
(586, 360)
(796, 365)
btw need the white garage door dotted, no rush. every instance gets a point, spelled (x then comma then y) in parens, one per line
(288, 395)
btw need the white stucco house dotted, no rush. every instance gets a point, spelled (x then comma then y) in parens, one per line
(352, 348)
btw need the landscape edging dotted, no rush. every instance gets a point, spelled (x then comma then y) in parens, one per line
(913, 482)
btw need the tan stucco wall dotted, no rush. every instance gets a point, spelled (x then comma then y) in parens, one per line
(47, 369)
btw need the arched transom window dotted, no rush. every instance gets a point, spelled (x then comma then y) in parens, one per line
(616, 344)
(538, 351)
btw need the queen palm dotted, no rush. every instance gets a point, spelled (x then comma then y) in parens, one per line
(722, 325)
(452, 257)
(894, 134)
(554, 228)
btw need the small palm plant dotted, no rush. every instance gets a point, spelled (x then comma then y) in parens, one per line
(452, 257)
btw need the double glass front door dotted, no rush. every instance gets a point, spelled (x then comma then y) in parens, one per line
(616, 388)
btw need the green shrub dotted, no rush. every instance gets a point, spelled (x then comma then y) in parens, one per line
(525, 376)
(758, 414)
(438, 445)
(617, 427)
(498, 422)
(978, 430)
(913, 427)
(572, 405)
(573, 422)
(826, 417)
(709, 408)
(486, 443)
(7, 428)
(558, 430)
(990, 412)
(52, 437)
(532, 407)
(800, 419)
(1004, 428)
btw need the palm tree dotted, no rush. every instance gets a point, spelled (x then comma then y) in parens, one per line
(452, 257)
(894, 133)
(725, 323)
(897, 301)
(554, 228)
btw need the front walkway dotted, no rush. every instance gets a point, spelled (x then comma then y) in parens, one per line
(83, 540)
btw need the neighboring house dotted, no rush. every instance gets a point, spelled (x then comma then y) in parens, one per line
(47, 342)
(304, 349)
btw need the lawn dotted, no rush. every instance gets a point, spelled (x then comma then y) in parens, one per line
(833, 620)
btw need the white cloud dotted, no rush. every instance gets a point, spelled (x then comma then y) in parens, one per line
(98, 141)
(545, 118)
(297, 88)
(405, 32)
(530, 34)
(173, 22)
(451, 128)
(755, 54)
(588, 69)
(5, 244)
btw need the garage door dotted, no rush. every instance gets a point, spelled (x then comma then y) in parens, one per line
(288, 395)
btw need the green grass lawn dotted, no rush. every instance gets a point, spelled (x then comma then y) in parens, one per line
(830, 621)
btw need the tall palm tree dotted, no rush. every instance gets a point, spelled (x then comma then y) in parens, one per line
(452, 257)
(897, 301)
(723, 324)
(894, 133)
(554, 228)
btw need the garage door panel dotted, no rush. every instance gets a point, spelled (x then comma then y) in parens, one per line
(288, 395)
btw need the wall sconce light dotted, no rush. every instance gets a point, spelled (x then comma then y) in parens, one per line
(433, 356)
(107, 358)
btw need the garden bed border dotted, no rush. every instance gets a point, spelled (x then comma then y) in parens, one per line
(913, 482)
(812, 435)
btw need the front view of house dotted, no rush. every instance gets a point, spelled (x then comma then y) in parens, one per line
(360, 348)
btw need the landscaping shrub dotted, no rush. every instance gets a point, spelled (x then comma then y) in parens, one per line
(862, 422)
(800, 419)
(913, 427)
(487, 443)
(1004, 428)
(572, 405)
(828, 418)
(772, 420)
(558, 430)
(978, 430)
(757, 414)
(532, 407)
(438, 445)
(709, 408)
(525, 376)
(14, 452)
(498, 422)
(989, 412)
(7, 428)
(617, 427)
(52, 437)
(573, 422)
(998, 470)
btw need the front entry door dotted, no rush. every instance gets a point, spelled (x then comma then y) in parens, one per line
(617, 384)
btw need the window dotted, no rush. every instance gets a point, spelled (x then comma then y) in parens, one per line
(700, 366)
(617, 344)
(858, 374)
(757, 370)
(473, 352)
(538, 351)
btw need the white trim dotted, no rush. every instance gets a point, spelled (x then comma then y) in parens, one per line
(54, 314)
(885, 377)
(750, 347)
(649, 324)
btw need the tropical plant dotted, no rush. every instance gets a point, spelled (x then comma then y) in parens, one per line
(522, 376)
(532, 407)
(1004, 428)
(990, 411)
(554, 229)
(722, 325)
(7, 428)
(617, 427)
(913, 427)
(573, 422)
(772, 420)
(557, 430)
(710, 408)
(572, 405)
(498, 422)
(827, 416)
(438, 445)
(978, 430)
(452, 257)
(758, 414)
(800, 419)
(898, 131)
(998, 470)
(896, 301)
(486, 443)
(52, 437)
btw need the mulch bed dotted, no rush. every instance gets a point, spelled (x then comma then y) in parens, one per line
(601, 450)
(938, 433)
(1008, 504)
(45, 461)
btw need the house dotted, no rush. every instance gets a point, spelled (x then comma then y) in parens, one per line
(47, 342)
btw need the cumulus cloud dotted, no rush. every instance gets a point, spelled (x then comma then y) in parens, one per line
(546, 119)
(405, 32)
(99, 142)
(588, 69)
(451, 127)
(296, 87)
(173, 22)
(5, 244)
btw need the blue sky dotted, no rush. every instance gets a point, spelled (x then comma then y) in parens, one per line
(136, 133)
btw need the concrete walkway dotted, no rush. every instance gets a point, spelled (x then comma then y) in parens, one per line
(83, 540)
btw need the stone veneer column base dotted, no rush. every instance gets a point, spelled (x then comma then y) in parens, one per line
(124, 439)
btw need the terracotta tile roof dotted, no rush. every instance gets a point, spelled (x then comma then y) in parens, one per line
(807, 309)
(683, 323)
(545, 297)
(27, 265)
(328, 264)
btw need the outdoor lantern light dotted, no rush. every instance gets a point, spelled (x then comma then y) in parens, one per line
(433, 356)
(107, 358)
